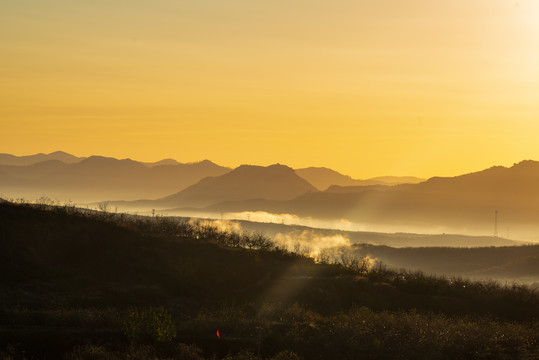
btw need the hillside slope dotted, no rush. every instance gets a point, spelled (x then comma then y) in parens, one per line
(77, 284)
(118, 253)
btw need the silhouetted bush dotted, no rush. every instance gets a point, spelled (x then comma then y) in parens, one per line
(152, 325)
(92, 352)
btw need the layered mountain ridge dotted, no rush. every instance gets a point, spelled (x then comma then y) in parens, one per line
(462, 203)
(99, 178)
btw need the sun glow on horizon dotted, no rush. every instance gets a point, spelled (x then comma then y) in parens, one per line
(367, 88)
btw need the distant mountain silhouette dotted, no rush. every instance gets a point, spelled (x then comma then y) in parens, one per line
(8, 159)
(101, 169)
(461, 202)
(99, 178)
(322, 178)
(275, 182)
(521, 178)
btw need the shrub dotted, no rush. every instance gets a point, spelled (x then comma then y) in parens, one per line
(152, 325)
(286, 355)
(91, 352)
(242, 355)
(188, 352)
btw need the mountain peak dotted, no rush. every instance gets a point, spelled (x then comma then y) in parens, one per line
(525, 163)
(206, 163)
(162, 162)
(62, 156)
(274, 182)
(96, 158)
(280, 166)
(60, 152)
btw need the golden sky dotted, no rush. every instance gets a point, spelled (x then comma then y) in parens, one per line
(366, 87)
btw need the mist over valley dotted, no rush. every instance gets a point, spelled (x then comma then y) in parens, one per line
(392, 220)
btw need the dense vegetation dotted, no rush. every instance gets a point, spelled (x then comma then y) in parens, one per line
(78, 284)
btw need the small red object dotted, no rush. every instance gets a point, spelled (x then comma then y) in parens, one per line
(219, 336)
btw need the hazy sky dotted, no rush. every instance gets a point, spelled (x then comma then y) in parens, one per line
(367, 87)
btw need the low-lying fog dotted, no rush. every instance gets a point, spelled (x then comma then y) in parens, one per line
(524, 235)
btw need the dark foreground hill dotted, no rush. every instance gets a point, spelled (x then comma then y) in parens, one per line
(76, 284)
